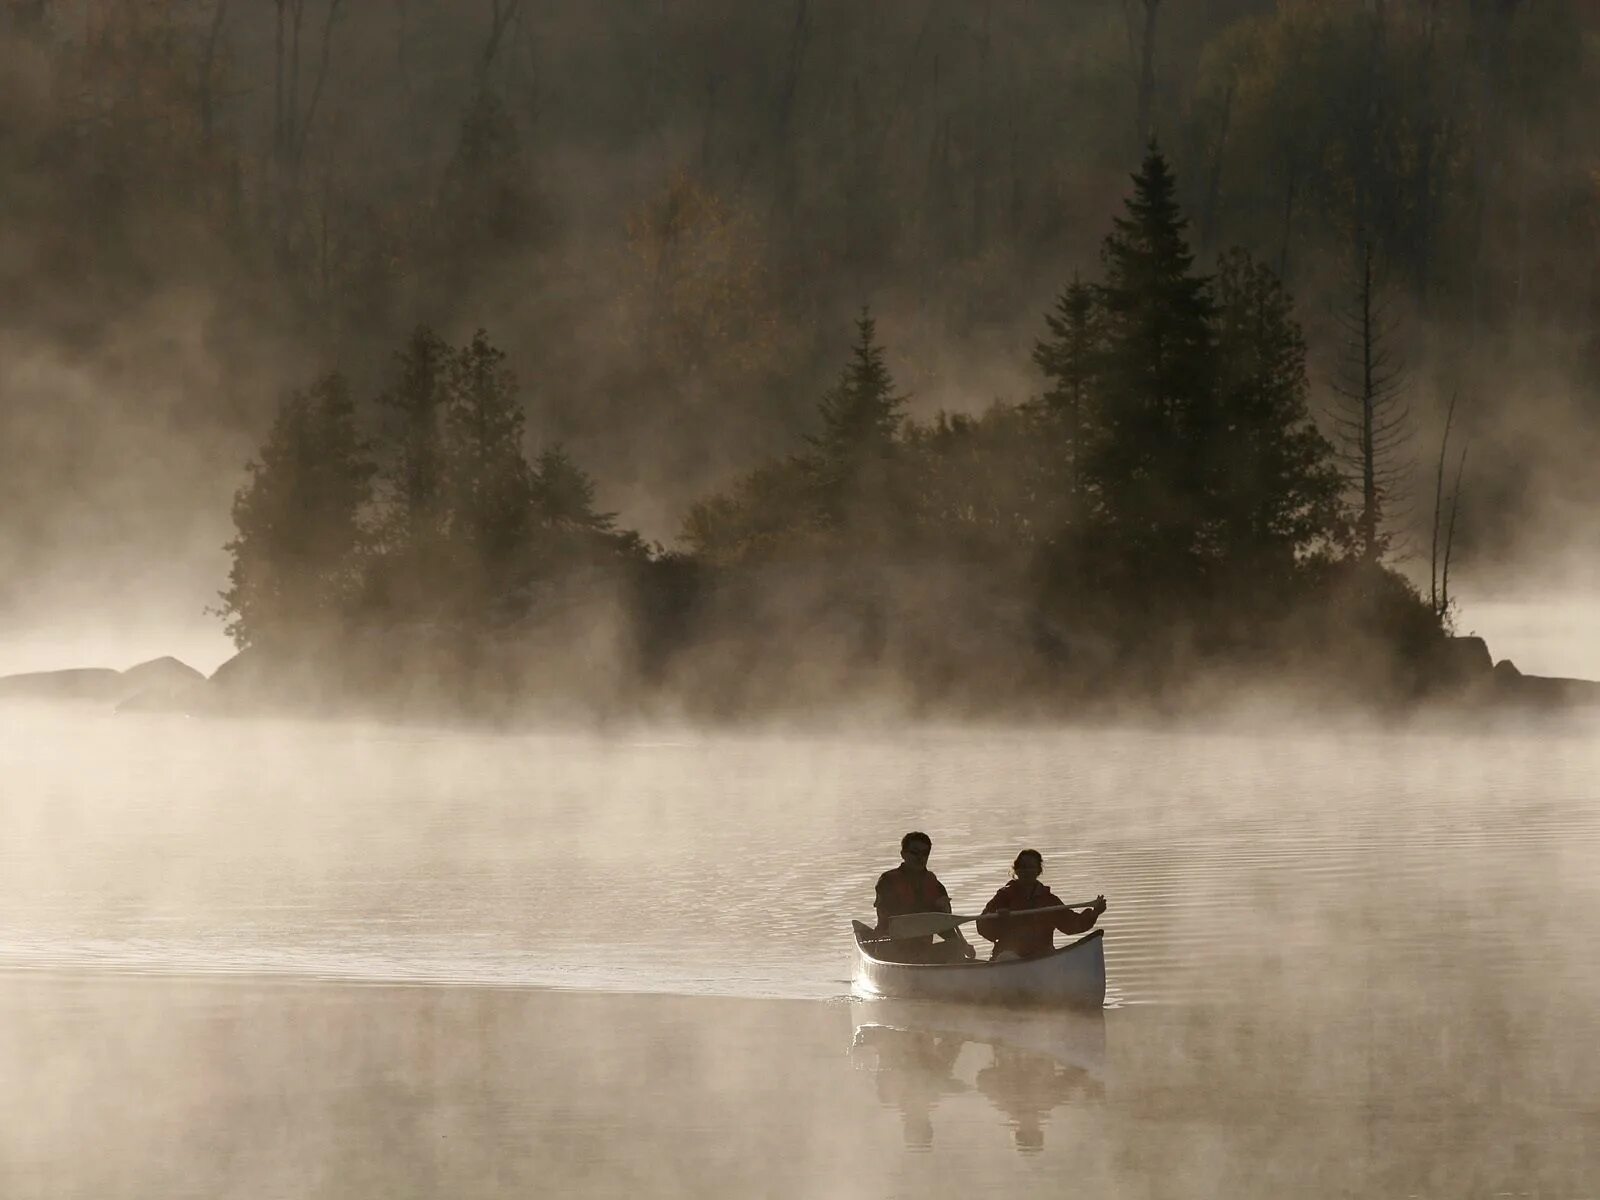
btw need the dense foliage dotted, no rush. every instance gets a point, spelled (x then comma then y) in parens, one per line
(667, 213)
(1166, 507)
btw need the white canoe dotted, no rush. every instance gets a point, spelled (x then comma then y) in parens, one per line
(1073, 976)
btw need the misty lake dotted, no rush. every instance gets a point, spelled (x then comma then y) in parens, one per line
(262, 958)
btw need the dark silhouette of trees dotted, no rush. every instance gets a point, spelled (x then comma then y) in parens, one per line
(1372, 417)
(1281, 487)
(1070, 359)
(861, 416)
(300, 543)
(1154, 461)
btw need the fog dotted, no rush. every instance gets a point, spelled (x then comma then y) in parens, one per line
(323, 957)
(385, 930)
(180, 247)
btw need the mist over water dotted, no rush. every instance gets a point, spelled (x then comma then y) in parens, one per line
(1355, 951)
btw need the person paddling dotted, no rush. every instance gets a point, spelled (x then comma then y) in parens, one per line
(912, 888)
(1028, 937)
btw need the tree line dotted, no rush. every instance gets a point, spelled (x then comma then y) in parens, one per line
(725, 181)
(1166, 505)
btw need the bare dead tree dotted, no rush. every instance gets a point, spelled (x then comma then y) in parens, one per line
(1208, 216)
(1450, 532)
(501, 14)
(1371, 418)
(292, 126)
(783, 113)
(207, 82)
(1438, 504)
(1143, 46)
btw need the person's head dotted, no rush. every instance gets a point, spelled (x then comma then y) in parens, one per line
(1028, 866)
(915, 848)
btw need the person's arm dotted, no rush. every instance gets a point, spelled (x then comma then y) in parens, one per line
(1071, 921)
(989, 927)
(879, 903)
(952, 935)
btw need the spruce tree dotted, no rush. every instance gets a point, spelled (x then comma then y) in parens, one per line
(1280, 488)
(490, 483)
(861, 416)
(563, 494)
(1069, 360)
(413, 447)
(1154, 463)
(299, 541)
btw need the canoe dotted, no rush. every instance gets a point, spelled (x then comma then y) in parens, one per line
(1073, 976)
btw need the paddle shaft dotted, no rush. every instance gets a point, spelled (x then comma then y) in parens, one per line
(913, 925)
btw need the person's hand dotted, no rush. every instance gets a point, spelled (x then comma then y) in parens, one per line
(969, 951)
(1099, 905)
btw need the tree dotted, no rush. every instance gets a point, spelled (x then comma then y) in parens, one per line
(297, 550)
(861, 416)
(490, 483)
(1281, 488)
(563, 496)
(413, 460)
(1068, 358)
(1154, 462)
(1371, 416)
(414, 448)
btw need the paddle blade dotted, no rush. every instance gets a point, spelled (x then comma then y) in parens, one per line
(910, 925)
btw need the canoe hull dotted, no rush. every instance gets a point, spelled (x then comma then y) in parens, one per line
(1072, 977)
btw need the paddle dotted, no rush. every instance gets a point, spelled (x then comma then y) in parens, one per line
(910, 925)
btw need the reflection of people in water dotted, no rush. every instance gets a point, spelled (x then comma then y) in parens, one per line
(1026, 1087)
(912, 1074)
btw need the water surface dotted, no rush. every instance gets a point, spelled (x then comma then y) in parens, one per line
(1357, 961)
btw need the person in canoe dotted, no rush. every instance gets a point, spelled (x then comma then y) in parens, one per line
(1031, 936)
(912, 888)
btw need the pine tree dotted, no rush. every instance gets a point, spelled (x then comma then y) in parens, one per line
(1068, 358)
(297, 551)
(1280, 488)
(563, 494)
(413, 439)
(861, 416)
(1153, 464)
(490, 482)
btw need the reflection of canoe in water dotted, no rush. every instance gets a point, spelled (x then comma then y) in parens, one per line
(1039, 1059)
(1073, 1039)
(1073, 976)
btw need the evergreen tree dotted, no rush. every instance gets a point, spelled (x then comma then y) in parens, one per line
(490, 482)
(296, 554)
(563, 494)
(1280, 490)
(861, 415)
(1068, 358)
(413, 439)
(1153, 465)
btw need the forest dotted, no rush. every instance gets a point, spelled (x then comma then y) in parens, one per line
(994, 349)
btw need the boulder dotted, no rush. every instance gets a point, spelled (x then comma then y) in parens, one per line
(164, 673)
(84, 683)
(164, 683)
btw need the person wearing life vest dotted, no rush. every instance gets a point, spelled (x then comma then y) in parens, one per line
(912, 888)
(1028, 937)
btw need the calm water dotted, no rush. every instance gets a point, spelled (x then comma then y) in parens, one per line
(322, 958)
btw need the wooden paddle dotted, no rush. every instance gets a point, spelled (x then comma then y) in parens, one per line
(910, 925)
